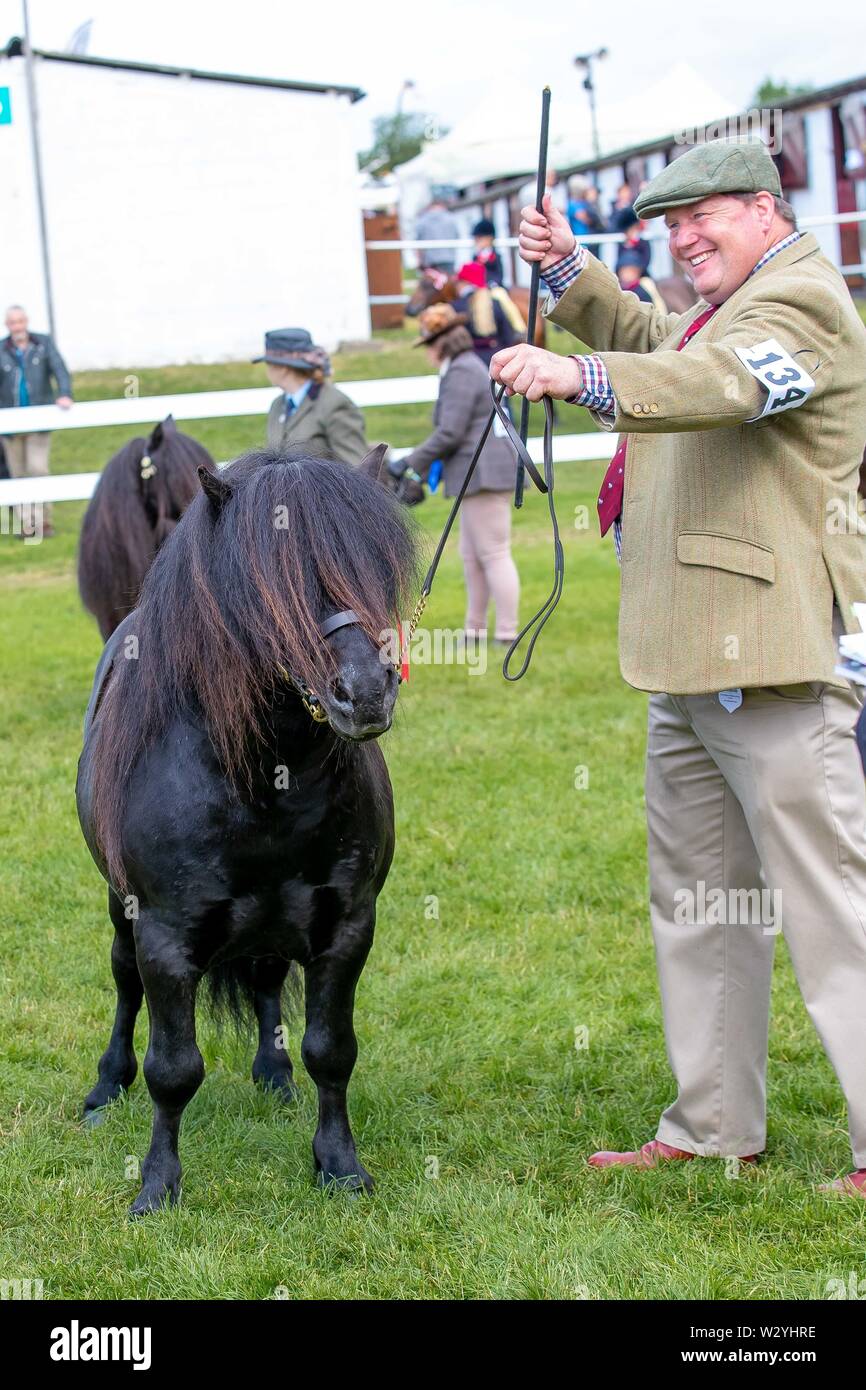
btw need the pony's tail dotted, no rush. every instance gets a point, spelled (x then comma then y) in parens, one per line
(230, 993)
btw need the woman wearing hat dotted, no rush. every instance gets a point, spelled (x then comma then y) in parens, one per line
(459, 417)
(310, 413)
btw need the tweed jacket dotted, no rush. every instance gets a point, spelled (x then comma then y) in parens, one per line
(459, 416)
(739, 528)
(326, 424)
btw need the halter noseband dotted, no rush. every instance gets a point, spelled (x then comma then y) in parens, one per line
(312, 704)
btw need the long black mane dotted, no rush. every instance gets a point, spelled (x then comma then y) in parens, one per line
(236, 594)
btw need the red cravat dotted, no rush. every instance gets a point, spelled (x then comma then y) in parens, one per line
(610, 497)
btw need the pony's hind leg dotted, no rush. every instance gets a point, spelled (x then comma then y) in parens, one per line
(272, 1066)
(117, 1065)
(173, 1065)
(329, 1051)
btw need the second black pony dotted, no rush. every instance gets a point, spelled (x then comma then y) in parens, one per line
(230, 789)
(138, 501)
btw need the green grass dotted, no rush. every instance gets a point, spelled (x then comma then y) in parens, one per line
(466, 1020)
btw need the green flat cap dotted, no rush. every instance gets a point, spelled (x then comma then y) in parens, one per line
(719, 166)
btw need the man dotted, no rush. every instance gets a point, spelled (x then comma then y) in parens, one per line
(743, 424)
(29, 362)
(437, 224)
(310, 413)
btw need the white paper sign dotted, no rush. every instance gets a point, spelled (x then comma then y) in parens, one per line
(786, 384)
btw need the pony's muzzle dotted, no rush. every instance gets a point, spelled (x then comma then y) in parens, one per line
(360, 704)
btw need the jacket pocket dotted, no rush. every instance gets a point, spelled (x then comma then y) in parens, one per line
(727, 553)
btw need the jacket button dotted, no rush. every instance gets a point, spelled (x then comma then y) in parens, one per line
(654, 408)
(637, 409)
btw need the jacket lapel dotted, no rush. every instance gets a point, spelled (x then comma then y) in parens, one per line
(297, 415)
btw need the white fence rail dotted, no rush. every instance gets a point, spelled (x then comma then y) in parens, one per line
(834, 219)
(202, 405)
(79, 487)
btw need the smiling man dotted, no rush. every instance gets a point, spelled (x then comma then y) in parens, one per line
(742, 428)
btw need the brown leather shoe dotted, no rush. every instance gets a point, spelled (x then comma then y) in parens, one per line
(648, 1156)
(852, 1185)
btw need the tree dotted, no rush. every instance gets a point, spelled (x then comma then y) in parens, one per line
(398, 138)
(770, 92)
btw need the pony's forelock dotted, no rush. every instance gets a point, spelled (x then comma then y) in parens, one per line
(237, 594)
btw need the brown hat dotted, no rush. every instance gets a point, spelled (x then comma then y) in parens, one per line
(435, 321)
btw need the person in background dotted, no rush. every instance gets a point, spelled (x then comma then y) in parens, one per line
(629, 276)
(494, 320)
(310, 414)
(485, 253)
(459, 417)
(624, 200)
(436, 223)
(634, 244)
(582, 210)
(487, 320)
(32, 372)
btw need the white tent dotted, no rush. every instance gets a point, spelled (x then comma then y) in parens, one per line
(487, 146)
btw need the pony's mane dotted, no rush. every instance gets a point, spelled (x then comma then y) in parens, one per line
(237, 593)
(129, 517)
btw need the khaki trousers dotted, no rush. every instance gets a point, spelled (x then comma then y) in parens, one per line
(770, 797)
(488, 567)
(27, 455)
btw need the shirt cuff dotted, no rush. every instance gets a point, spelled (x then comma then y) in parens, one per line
(596, 393)
(561, 274)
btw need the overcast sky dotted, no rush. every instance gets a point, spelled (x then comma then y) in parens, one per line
(459, 52)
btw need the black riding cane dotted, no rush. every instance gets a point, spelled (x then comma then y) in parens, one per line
(533, 284)
(525, 465)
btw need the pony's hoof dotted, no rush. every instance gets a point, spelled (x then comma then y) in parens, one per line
(280, 1085)
(94, 1116)
(352, 1185)
(152, 1199)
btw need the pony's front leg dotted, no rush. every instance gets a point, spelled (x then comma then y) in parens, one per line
(330, 1048)
(272, 1067)
(173, 1065)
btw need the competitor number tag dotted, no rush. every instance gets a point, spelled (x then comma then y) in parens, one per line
(786, 383)
(730, 699)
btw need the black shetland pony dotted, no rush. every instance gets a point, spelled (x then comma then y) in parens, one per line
(230, 789)
(139, 499)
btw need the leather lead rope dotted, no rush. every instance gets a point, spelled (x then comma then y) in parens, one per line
(544, 484)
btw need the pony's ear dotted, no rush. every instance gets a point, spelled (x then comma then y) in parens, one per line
(372, 464)
(214, 487)
(166, 426)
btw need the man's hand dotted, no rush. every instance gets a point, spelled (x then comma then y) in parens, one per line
(531, 372)
(544, 236)
(64, 402)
